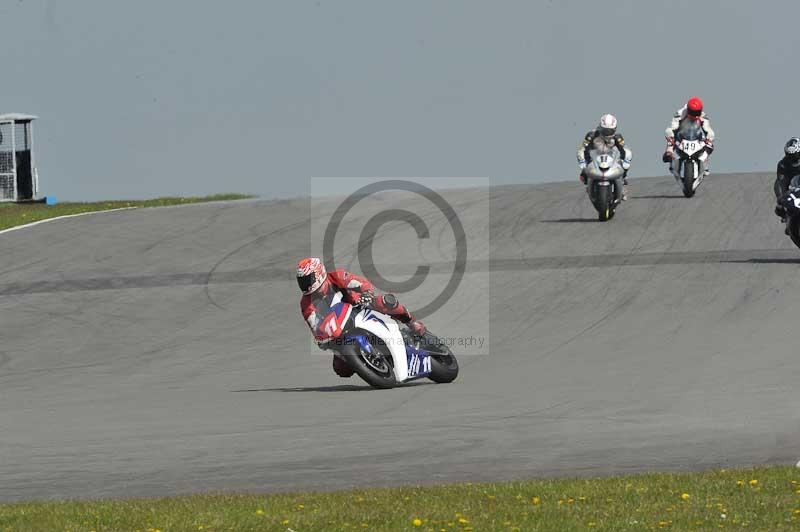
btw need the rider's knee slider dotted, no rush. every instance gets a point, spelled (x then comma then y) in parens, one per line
(390, 301)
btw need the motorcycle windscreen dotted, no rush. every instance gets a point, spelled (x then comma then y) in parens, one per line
(605, 164)
(690, 130)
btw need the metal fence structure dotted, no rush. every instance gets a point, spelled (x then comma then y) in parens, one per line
(19, 180)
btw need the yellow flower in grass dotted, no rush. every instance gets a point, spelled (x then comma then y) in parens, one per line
(753, 483)
(463, 521)
(685, 496)
(259, 512)
(740, 482)
(417, 522)
(536, 500)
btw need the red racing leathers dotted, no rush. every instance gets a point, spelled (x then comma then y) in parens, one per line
(357, 291)
(353, 287)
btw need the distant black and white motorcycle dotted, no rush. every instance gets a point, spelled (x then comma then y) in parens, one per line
(689, 156)
(791, 208)
(604, 182)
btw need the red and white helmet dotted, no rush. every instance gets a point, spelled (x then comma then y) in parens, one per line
(608, 125)
(694, 107)
(311, 275)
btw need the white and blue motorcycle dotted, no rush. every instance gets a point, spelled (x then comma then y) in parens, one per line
(379, 350)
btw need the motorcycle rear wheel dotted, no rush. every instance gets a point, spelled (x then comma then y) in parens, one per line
(444, 366)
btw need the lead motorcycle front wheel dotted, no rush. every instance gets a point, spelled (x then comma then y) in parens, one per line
(604, 204)
(376, 368)
(688, 178)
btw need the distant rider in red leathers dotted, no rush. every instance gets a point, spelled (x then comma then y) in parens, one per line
(693, 110)
(317, 284)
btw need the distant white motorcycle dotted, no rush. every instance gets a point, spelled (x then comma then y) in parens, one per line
(379, 350)
(690, 155)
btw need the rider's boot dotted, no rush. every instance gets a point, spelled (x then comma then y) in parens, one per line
(417, 328)
(669, 157)
(342, 368)
(388, 304)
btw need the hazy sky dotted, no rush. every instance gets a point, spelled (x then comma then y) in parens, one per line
(147, 98)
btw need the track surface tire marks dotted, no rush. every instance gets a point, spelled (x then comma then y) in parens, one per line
(158, 352)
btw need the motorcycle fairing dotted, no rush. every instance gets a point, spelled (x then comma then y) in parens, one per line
(419, 362)
(385, 328)
(332, 326)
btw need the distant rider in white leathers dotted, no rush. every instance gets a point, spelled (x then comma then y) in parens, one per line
(693, 110)
(605, 137)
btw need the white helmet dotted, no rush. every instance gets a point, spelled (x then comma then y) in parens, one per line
(608, 125)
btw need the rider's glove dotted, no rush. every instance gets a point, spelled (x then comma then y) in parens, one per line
(626, 164)
(366, 299)
(667, 157)
(709, 146)
(582, 164)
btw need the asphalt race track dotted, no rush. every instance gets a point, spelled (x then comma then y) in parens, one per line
(161, 351)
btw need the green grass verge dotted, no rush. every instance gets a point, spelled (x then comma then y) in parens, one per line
(12, 214)
(756, 499)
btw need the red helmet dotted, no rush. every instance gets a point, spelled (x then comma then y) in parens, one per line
(311, 275)
(694, 107)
